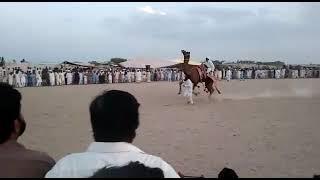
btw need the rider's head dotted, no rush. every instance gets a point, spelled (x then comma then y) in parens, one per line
(207, 59)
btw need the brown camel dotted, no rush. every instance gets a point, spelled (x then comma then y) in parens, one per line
(197, 75)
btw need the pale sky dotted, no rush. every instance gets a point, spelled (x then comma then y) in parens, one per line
(79, 31)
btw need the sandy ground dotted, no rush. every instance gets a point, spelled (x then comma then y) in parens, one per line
(260, 128)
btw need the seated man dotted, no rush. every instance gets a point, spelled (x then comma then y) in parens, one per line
(132, 170)
(114, 119)
(15, 159)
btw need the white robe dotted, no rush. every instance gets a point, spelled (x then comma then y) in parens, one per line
(302, 73)
(148, 77)
(219, 74)
(38, 79)
(80, 78)
(10, 79)
(249, 74)
(57, 79)
(187, 88)
(277, 74)
(210, 66)
(138, 77)
(228, 75)
(17, 80)
(85, 79)
(129, 77)
(61, 78)
(161, 75)
(144, 76)
(110, 78)
(238, 74)
(23, 80)
(51, 79)
(122, 76)
(169, 76)
(69, 78)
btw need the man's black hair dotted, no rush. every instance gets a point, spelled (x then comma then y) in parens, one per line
(114, 116)
(132, 170)
(10, 107)
(227, 173)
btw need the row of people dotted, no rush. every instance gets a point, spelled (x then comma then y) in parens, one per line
(57, 77)
(265, 74)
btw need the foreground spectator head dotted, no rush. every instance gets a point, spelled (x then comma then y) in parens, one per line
(227, 173)
(114, 117)
(132, 170)
(12, 124)
(15, 159)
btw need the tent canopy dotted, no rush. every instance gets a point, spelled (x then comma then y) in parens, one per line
(78, 64)
(141, 63)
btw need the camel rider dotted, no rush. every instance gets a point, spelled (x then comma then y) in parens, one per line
(210, 65)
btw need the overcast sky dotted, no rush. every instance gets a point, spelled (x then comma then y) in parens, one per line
(81, 31)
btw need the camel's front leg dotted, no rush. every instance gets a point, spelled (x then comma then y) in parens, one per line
(180, 83)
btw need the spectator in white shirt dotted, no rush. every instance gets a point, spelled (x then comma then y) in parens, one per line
(114, 119)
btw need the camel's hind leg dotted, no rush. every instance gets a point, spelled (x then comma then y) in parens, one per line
(195, 93)
(216, 87)
(210, 89)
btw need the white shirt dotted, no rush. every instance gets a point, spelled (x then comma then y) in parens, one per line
(100, 155)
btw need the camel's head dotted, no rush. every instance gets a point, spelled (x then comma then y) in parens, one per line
(185, 53)
(186, 56)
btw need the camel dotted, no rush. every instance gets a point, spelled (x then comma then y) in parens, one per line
(197, 74)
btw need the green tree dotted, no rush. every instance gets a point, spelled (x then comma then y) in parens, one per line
(118, 60)
(94, 63)
(2, 62)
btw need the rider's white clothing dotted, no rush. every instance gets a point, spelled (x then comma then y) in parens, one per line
(210, 66)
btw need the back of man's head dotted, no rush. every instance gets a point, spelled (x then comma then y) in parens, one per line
(227, 173)
(132, 170)
(114, 116)
(10, 107)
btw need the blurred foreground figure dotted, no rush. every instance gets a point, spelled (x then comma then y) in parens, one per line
(16, 161)
(114, 120)
(227, 173)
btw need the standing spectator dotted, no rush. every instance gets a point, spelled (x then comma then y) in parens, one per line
(52, 78)
(16, 161)
(81, 76)
(69, 77)
(229, 75)
(76, 77)
(38, 78)
(29, 79)
(169, 75)
(148, 76)
(33, 78)
(85, 77)
(10, 78)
